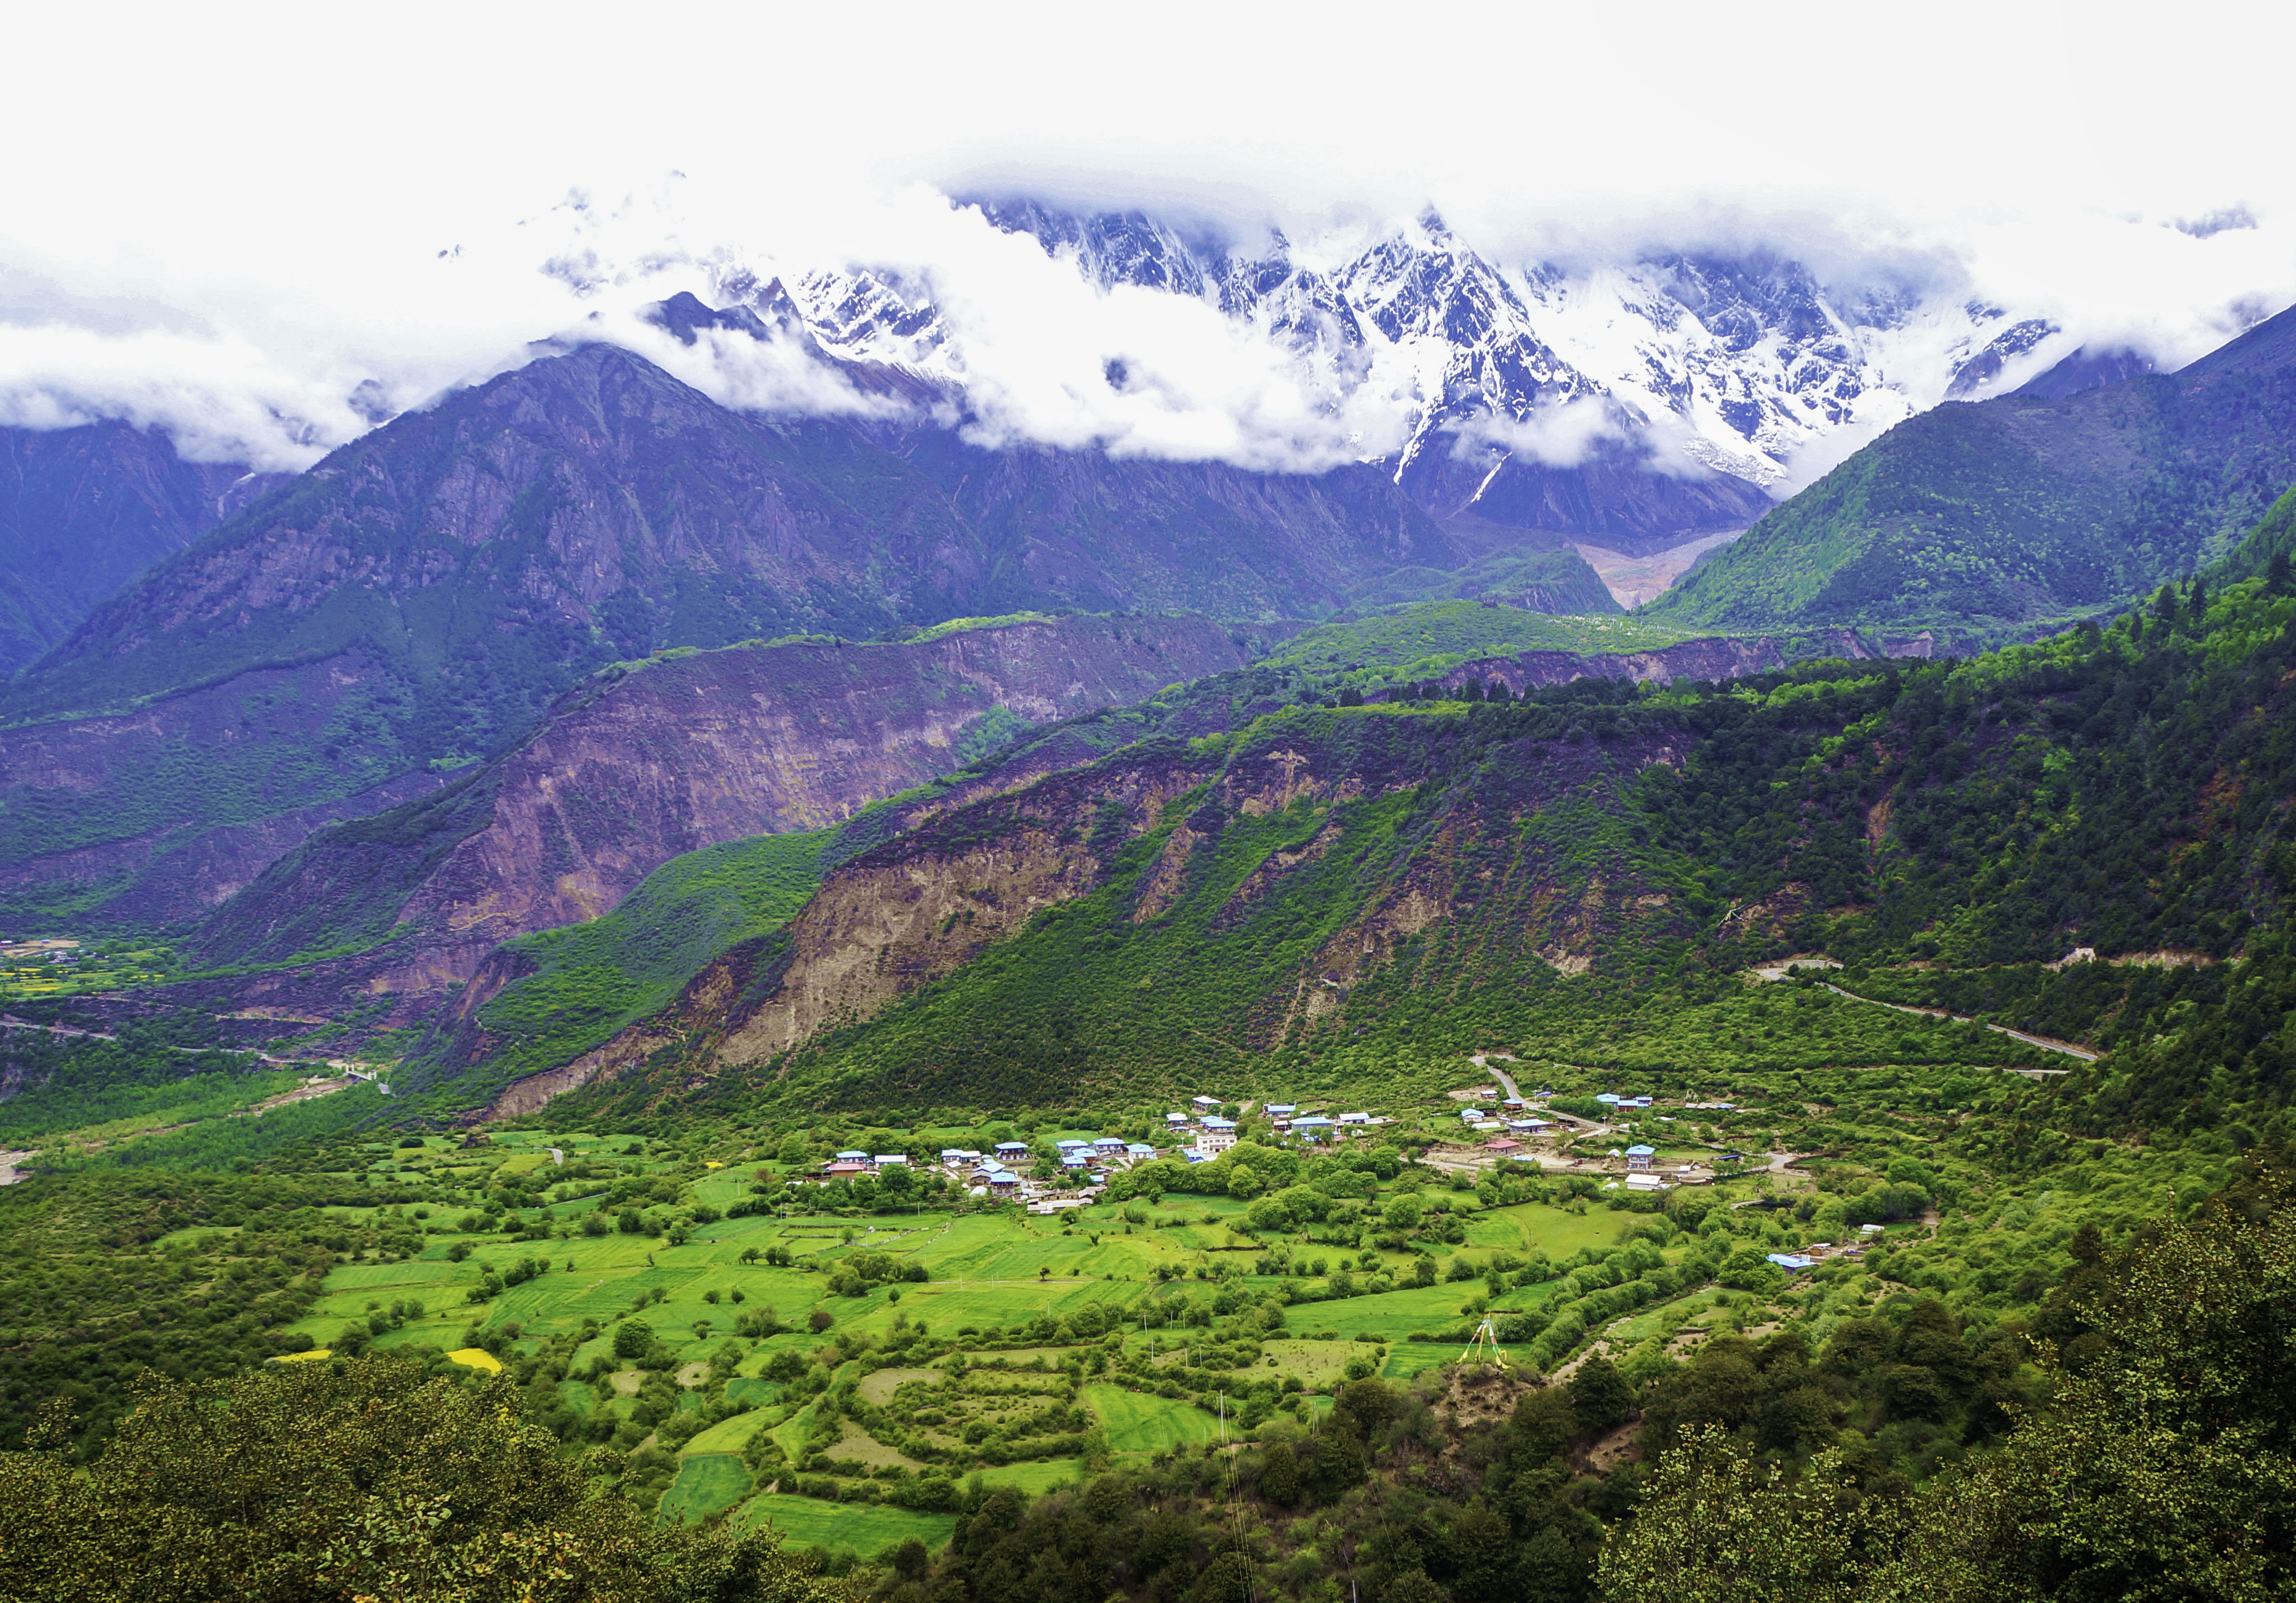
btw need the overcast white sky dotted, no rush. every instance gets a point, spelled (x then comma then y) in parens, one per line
(213, 216)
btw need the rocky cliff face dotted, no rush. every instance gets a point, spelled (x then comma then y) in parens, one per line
(680, 753)
(84, 511)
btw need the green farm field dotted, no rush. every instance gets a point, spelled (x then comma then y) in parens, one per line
(1042, 1476)
(867, 1528)
(1142, 1422)
(706, 1483)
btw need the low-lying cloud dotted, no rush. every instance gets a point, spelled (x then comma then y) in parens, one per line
(230, 233)
(1027, 351)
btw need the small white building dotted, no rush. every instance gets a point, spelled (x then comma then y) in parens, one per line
(1206, 1101)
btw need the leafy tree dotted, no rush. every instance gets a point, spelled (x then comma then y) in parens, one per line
(358, 1480)
(632, 1339)
(1600, 1394)
(1718, 1527)
(1279, 1475)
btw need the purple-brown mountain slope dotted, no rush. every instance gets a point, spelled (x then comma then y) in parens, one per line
(84, 511)
(460, 568)
(640, 766)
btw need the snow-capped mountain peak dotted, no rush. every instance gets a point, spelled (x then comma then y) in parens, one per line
(1704, 381)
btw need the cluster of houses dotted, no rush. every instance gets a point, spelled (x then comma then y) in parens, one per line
(1314, 1129)
(852, 1165)
(999, 1173)
(1811, 1256)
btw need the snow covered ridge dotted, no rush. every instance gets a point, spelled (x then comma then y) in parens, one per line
(1410, 346)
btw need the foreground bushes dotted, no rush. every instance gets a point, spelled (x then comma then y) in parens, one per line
(353, 1481)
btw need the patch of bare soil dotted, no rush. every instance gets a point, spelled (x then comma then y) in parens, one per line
(1622, 1445)
(1483, 1395)
(880, 1387)
(860, 1446)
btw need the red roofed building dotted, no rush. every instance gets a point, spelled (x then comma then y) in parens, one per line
(1502, 1145)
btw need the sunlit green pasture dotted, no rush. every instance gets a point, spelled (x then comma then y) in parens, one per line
(706, 1483)
(1140, 1422)
(866, 1528)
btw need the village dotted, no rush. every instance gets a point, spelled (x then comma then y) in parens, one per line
(1497, 1129)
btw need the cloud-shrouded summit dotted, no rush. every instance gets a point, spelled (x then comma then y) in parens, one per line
(1274, 253)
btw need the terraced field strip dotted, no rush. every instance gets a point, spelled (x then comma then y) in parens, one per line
(1391, 1315)
(705, 1484)
(862, 1448)
(1318, 1364)
(879, 1387)
(1142, 1422)
(727, 1436)
(866, 1528)
(1036, 1477)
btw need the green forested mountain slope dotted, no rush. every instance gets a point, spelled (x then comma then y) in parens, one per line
(1332, 892)
(1976, 518)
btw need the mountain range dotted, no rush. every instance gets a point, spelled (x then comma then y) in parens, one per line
(1633, 405)
(290, 716)
(1636, 403)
